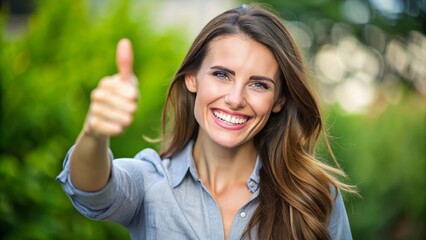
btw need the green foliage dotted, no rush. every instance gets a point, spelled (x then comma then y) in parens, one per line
(384, 156)
(47, 75)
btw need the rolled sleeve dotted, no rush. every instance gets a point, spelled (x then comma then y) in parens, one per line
(90, 204)
(121, 198)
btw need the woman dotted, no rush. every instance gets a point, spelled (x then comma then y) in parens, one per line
(239, 161)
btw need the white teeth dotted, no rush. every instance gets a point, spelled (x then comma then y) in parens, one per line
(228, 118)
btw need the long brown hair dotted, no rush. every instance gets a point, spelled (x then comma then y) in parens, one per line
(295, 197)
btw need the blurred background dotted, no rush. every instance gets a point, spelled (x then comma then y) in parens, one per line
(368, 63)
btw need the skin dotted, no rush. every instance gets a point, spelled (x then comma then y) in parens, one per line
(113, 104)
(237, 78)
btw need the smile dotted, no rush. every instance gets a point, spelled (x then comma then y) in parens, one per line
(229, 118)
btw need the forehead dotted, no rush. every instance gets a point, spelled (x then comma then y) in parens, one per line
(241, 53)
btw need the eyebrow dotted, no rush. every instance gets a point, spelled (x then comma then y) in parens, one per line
(255, 77)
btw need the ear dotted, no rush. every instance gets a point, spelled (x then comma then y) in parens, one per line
(279, 104)
(191, 82)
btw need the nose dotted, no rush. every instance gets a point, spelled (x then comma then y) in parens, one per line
(235, 97)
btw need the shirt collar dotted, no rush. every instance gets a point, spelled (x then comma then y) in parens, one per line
(183, 162)
(254, 179)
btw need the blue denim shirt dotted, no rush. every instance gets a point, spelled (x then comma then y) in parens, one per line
(165, 199)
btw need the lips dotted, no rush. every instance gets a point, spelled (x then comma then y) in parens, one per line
(230, 119)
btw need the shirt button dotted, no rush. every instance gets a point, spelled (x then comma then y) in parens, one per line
(243, 214)
(252, 183)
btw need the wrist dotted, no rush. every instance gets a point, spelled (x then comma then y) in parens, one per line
(90, 133)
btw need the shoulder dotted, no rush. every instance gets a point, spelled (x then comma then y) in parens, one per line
(339, 224)
(147, 161)
(148, 154)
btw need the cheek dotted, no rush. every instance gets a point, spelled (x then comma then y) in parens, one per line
(201, 98)
(262, 105)
(197, 107)
(209, 91)
(201, 103)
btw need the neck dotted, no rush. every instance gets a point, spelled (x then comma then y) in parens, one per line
(220, 168)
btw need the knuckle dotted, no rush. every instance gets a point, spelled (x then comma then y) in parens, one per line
(107, 83)
(94, 124)
(116, 130)
(128, 120)
(93, 94)
(96, 94)
(132, 108)
(95, 109)
(105, 80)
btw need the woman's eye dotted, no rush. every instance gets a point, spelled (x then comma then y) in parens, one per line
(221, 75)
(260, 85)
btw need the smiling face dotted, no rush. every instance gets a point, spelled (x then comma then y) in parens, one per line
(236, 88)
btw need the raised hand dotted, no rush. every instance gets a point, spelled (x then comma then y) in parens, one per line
(114, 100)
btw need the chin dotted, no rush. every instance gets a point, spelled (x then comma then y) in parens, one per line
(229, 142)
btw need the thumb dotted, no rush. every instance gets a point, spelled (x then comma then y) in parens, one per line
(124, 59)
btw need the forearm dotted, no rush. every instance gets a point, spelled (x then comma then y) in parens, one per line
(90, 166)
(112, 106)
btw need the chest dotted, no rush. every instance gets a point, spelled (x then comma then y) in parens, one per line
(230, 204)
(189, 211)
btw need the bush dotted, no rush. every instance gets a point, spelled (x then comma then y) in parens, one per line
(47, 75)
(384, 155)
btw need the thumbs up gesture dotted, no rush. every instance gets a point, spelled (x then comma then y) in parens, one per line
(114, 101)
